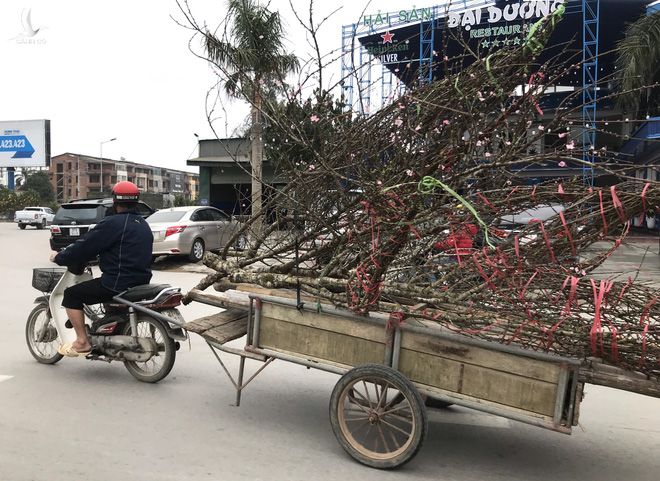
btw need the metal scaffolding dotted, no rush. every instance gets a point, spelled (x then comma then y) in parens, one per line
(590, 31)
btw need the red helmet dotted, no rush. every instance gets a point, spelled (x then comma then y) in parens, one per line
(125, 192)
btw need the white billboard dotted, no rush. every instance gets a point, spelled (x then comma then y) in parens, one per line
(25, 143)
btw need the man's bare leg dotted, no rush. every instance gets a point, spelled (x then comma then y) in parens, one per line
(77, 318)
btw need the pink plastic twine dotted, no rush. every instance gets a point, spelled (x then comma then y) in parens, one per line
(602, 212)
(529, 86)
(617, 204)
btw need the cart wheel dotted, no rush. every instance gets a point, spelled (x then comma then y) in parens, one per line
(378, 416)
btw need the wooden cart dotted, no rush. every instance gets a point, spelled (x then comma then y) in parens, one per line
(377, 408)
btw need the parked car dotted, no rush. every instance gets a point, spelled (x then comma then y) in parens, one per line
(191, 231)
(514, 224)
(74, 219)
(39, 217)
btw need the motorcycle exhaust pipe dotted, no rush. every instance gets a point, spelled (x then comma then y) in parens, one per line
(125, 347)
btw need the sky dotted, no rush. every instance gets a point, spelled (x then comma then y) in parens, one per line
(122, 69)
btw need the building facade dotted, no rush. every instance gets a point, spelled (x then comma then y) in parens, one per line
(76, 176)
(225, 179)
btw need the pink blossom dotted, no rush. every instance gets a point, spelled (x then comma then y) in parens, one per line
(562, 164)
(311, 167)
(419, 127)
(507, 143)
(398, 122)
(409, 173)
(541, 127)
(314, 118)
(487, 154)
(562, 135)
(570, 145)
(445, 122)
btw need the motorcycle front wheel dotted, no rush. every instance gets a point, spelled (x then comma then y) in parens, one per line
(161, 363)
(41, 335)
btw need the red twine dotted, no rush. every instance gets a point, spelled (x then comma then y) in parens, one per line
(645, 320)
(646, 187)
(546, 238)
(568, 233)
(602, 211)
(617, 204)
(529, 86)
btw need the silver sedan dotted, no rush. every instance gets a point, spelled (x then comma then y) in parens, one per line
(191, 231)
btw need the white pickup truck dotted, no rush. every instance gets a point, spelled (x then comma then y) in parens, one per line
(39, 217)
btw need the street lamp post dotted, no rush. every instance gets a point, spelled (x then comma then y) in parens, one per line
(101, 156)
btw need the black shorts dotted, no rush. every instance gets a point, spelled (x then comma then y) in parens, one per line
(88, 292)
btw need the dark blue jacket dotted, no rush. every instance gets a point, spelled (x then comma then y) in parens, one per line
(123, 243)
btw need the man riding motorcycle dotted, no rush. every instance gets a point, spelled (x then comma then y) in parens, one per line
(123, 242)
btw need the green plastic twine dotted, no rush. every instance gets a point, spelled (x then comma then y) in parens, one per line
(532, 43)
(456, 87)
(428, 185)
(490, 74)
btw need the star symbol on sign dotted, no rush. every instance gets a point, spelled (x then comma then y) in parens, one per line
(496, 43)
(387, 37)
(485, 44)
(516, 41)
(507, 42)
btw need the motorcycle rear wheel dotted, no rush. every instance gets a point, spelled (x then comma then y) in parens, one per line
(41, 335)
(160, 365)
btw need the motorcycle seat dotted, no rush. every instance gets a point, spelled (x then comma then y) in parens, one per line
(144, 292)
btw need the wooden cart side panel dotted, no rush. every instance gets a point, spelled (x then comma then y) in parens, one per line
(326, 322)
(302, 340)
(505, 362)
(509, 412)
(510, 390)
(479, 382)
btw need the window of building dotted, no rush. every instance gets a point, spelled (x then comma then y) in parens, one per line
(156, 184)
(94, 178)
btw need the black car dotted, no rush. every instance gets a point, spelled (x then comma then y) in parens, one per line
(74, 219)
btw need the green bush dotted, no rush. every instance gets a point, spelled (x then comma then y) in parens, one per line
(11, 201)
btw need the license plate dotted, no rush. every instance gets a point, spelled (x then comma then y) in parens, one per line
(74, 231)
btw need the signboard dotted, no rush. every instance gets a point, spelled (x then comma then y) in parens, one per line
(25, 143)
(494, 25)
(176, 182)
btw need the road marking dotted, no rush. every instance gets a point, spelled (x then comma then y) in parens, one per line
(5, 378)
(468, 419)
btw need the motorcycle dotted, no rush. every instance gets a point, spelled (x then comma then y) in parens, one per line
(141, 327)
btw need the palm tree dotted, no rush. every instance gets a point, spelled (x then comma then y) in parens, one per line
(638, 65)
(253, 59)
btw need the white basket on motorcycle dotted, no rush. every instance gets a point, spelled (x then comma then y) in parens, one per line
(45, 279)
